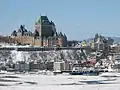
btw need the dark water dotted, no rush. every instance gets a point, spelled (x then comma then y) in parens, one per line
(99, 81)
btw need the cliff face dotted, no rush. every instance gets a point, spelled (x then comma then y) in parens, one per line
(40, 56)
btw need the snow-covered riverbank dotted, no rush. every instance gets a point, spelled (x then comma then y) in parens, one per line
(57, 82)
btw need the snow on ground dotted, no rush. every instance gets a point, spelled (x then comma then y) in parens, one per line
(57, 82)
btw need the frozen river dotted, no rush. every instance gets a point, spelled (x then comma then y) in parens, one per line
(57, 82)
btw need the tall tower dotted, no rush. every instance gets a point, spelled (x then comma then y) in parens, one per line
(45, 27)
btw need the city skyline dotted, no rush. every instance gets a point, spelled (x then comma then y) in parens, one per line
(77, 19)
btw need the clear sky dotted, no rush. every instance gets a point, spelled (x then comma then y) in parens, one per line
(79, 19)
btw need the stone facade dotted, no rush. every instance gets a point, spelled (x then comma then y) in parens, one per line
(44, 34)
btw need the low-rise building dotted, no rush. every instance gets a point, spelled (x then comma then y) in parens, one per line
(22, 66)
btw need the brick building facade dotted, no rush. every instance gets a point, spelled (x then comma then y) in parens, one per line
(45, 34)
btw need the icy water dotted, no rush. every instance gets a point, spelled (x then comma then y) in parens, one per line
(57, 82)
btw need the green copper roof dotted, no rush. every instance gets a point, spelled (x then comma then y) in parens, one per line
(39, 20)
(43, 20)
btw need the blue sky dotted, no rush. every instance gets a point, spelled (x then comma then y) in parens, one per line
(79, 19)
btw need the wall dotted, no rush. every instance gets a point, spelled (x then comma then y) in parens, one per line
(46, 30)
(49, 42)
